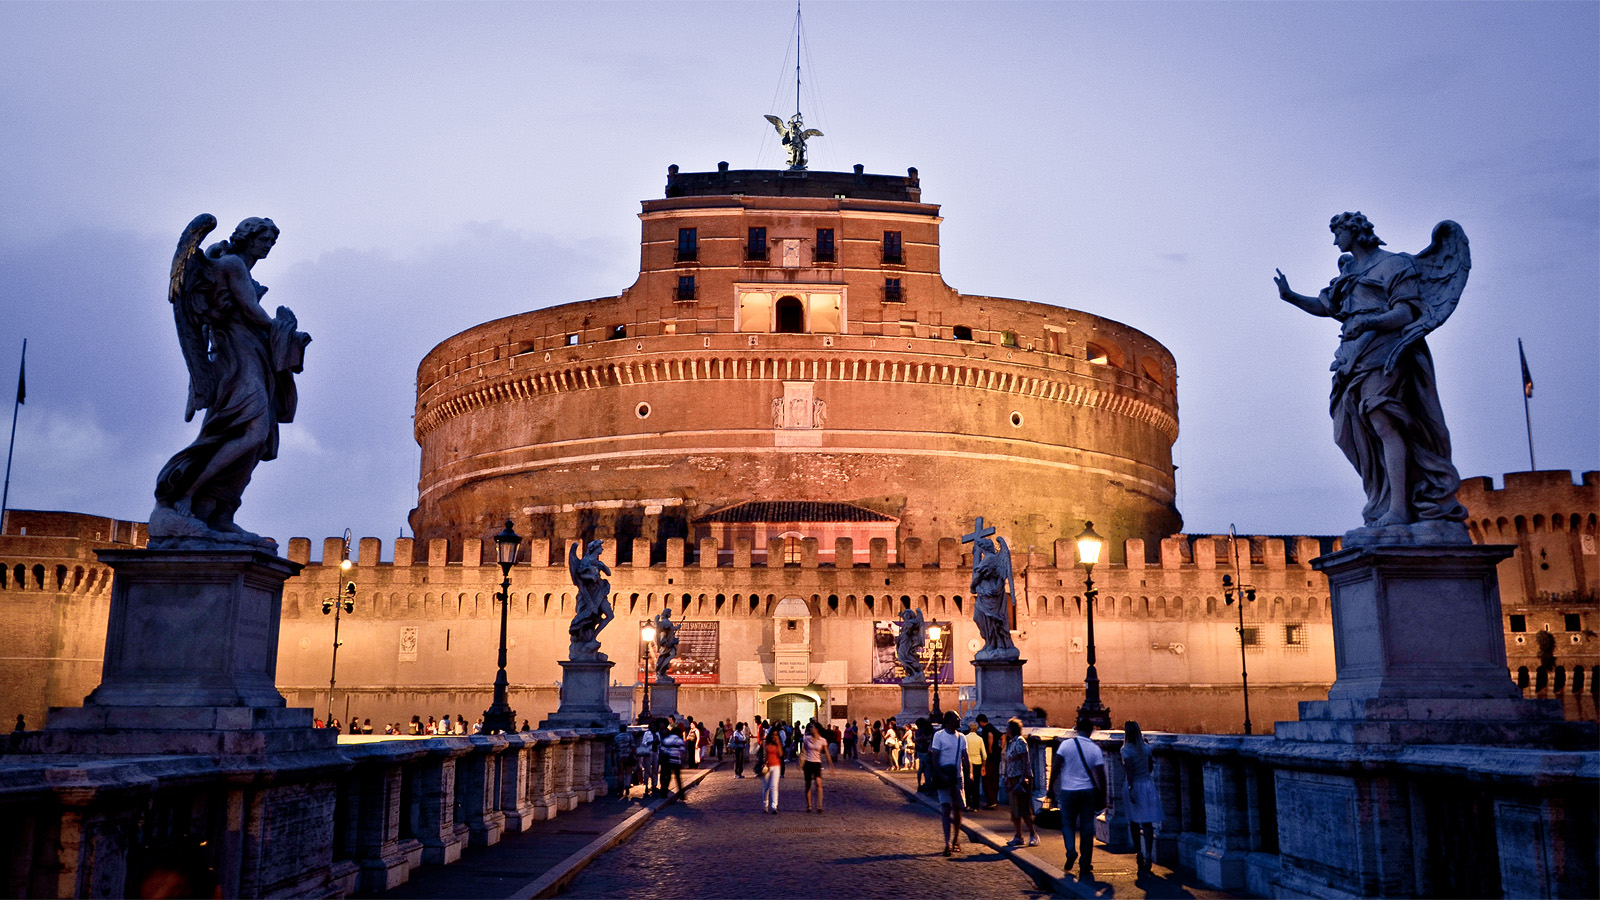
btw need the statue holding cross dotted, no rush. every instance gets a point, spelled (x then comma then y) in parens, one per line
(993, 593)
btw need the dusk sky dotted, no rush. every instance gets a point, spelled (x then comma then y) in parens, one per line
(433, 166)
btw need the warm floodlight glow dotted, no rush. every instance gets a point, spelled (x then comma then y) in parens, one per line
(1089, 545)
(648, 632)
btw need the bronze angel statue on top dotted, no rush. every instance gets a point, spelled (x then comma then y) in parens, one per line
(1385, 404)
(242, 365)
(794, 134)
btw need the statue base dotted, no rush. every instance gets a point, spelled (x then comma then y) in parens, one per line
(913, 702)
(663, 699)
(585, 696)
(1420, 656)
(999, 689)
(191, 661)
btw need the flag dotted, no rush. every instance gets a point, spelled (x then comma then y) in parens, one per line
(1527, 379)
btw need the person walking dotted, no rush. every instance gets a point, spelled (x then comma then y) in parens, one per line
(674, 751)
(814, 749)
(650, 757)
(924, 739)
(977, 755)
(772, 756)
(1080, 793)
(1018, 776)
(891, 740)
(851, 735)
(1144, 801)
(991, 766)
(945, 753)
(719, 739)
(739, 745)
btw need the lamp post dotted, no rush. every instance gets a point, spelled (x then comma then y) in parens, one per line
(1244, 592)
(934, 631)
(342, 601)
(1089, 544)
(500, 717)
(647, 634)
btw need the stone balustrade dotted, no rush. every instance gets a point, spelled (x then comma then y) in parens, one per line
(1269, 817)
(359, 818)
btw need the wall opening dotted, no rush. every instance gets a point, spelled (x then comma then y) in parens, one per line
(791, 316)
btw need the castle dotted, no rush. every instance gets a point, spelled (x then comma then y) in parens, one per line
(781, 431)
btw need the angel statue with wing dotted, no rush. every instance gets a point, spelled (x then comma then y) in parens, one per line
(991, 611)
(666, 645)
(794, 134)
(1385, 405)
(908, 644)
(594, 610)
(241, 372)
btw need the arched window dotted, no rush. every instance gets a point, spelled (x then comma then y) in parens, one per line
(791, 549)
(791, 316)
(1561, 678)
(1577, 679)
(1541, 679)
(1522, 677)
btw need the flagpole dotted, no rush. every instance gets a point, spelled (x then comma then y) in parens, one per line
(1527, 415)
(5, 493)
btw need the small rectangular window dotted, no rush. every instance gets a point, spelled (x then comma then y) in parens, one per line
(755, 247)
(1294, 634)
(892, 252)
(688, 244)
(1008, 338)
(572, 340)
(1250, 636)
(961, 333)
(824, 245)
(1519, 623)
(685, 287)
(618, 331)
(1574, 622)
(891, 291)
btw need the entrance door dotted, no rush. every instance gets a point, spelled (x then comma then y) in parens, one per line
(791, 708)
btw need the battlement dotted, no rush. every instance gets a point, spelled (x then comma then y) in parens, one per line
(1180, 551)
(1532, 502)
(786, 183)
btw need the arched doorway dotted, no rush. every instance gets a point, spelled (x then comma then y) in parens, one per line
(792, 708)
(791, 316)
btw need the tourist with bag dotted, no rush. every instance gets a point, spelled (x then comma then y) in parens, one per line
(1081, 794)
(772, 757)
(945, 753)
(1017, 766)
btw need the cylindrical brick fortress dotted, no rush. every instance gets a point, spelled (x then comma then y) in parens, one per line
(790, 338)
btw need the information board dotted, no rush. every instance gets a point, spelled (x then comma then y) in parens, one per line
(886, 668)
(699, 653)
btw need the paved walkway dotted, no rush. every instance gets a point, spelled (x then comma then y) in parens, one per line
(1116, 874)
(872, 841)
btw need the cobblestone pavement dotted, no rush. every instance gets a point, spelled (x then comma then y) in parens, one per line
(871, 842)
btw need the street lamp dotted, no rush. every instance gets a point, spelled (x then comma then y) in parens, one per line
(1089, 544)
(500, 717)
(647, 634)
(1244, 592)
(934, 631)
(342, 601)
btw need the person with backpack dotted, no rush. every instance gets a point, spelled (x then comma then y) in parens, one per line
(649, 751)
(674, 750)
(1080, 794)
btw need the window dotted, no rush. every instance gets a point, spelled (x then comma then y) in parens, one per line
(791, 316)
(572, 340)
(962, 333)
(891, 291)
(688, 244)
(685, 287)
(824, 245)
(1294, 634)
(1574, 622)
(755, 247)
(1250, 636)
(1008, 338)
(1519, 623)
(791, 550)
(618, 331)
(892, 253)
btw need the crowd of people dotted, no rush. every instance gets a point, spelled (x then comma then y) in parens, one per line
(445, 725)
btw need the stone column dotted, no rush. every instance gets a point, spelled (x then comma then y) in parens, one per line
(599, 758)
(477, 786)
(582, 788)
(542, 775)
(1221, 862)
(565, 798)
(385, 860)
(515, 803)
(1168, 781)
(442, 836)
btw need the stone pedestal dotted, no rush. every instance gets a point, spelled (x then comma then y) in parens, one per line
(191, 661)
(913, 701)
(999, 683)
(1420, 654)
(585, 696)
(663, 699)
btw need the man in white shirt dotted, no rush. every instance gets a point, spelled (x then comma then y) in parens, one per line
(1080, 773)
(945, 754)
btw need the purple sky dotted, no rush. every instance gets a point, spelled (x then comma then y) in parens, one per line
(433, 166)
